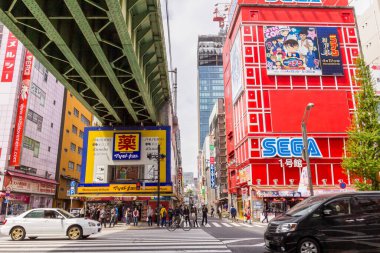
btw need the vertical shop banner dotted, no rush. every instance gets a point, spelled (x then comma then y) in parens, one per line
(312, 51)
(9, 59)
(328, 43)
(21, 110)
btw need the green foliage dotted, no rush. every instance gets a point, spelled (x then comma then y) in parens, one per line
(363, 145)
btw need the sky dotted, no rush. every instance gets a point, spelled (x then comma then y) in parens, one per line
(188, 19)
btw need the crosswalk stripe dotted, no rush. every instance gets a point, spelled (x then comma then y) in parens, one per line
(246, 225)
(235, 224)
(216, 224)
(207, 225)
(226, 225)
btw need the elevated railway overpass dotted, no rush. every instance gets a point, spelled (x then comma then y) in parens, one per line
(109, 53)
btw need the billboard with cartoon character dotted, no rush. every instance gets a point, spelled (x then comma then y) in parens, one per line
(302, 51)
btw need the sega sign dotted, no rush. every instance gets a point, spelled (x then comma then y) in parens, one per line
(295, 1)
(288, 147)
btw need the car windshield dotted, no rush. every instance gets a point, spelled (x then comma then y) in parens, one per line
(66, 214)
(307, 206)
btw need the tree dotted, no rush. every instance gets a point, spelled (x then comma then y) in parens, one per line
(363, 145)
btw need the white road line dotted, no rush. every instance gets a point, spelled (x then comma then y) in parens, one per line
(226, 225)
(235, 224)
(259, 226)
(207, 225)
(246, 225)
(217, 225)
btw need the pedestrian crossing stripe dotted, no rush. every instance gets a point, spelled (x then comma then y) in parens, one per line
(207, 225)
(227, 225)
(246, 225)
(235, 224)
(217, 225)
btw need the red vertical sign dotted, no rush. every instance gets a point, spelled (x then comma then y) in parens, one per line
(9, 59)
(21, 110)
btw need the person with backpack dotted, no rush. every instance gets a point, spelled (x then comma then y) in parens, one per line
(163, 214)
(233, 212)
(135, 216)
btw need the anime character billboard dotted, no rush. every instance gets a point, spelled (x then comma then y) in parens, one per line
(299, 51)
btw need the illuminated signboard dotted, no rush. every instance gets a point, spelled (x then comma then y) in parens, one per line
(295, 1)
(126, 146)
(288, 147)
(313, 51)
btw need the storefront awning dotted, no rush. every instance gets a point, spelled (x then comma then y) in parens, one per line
(30, 177)
(122, 197)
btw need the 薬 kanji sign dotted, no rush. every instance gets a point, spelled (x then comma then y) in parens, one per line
(126, 146)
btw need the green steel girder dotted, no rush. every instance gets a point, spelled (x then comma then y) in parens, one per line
(109, 53)
(54, 36)
(7, 21)
(85, 27)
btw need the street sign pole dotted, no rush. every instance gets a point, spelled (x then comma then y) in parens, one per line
(71, 203)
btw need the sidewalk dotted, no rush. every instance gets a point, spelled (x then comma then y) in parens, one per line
(141, 226)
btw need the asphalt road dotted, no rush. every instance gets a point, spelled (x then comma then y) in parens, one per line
(240, 239)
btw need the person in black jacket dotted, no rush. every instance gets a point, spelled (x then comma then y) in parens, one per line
(186, 215)
(204, 215)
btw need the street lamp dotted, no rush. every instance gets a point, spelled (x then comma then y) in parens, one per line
(305, 150)
(158, 158)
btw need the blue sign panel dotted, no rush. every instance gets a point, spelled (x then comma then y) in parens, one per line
(288, 147)
(212, 175)
(72, 191)
(330, 56)
(73, 184)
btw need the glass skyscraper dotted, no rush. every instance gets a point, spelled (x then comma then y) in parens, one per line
(210, 79)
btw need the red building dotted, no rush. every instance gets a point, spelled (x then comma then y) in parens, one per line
(278, 58)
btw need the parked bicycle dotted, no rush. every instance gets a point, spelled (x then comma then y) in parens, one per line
(179, 223)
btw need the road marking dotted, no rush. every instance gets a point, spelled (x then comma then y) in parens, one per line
(246, 225)
(227, 225)
(259, 226)
(217, 225)
(240, 240)
(207, 225)
(235, 224)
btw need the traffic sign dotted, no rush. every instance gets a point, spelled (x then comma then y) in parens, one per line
(72, 192)
(343, 185)
(73, 184)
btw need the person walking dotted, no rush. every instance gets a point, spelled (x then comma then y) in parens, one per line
(177, 214)
(102, 217)
(186, 215)
(204, 215)
(265, 213)
(150, 215)
(170, 215)
(219, 212)
(163, 214)
(113, 217)
(233, 212)
(212, 211)
(194, 216)
(135, 216)
(116, 214)
(248, 215)
(128, 215)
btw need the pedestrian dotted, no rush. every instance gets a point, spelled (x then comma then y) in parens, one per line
(177, 215)
(194, 216)
(135, 216)
(219, 212)
(186, 215)
(170, 215)
(113, 217)
(127, 216)
(116, 214)
(150, 215)
(81, 212)
(248, 215)
(265, 213)
(204, 215)
(233, 212)
(212, 211)
(163, 214)
(102, 217)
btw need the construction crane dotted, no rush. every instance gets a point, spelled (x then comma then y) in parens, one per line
(220, 13)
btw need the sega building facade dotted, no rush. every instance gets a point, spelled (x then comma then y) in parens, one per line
(116, 168)
(278, 57)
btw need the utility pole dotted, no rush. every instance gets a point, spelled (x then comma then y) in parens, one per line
(306, 145)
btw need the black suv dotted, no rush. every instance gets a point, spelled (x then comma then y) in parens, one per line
(343, 222)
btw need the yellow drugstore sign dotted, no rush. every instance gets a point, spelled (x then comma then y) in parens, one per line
(122, 188)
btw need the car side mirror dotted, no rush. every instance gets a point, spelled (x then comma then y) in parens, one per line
(327, 212)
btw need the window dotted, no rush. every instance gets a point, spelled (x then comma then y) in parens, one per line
(76, 112)
(73, 147)
(49, 149)
(338, 207)
(50, 214)
(79, 167)
(35, 214)
(39, 93)
(74, 129)
(69, 112)
(51, 125)
(80, 150)
(35, 118)
(369, 204)
(54, 102)
(71, 165)
(128, 173)
(84, 120)
(67, 131)
(81, 134)
(46, 73)
(33, 145)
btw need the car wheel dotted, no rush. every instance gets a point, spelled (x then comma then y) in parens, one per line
(85, 236)
(33, 237)
(17, 234)
(308, 245)
(74, 233)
